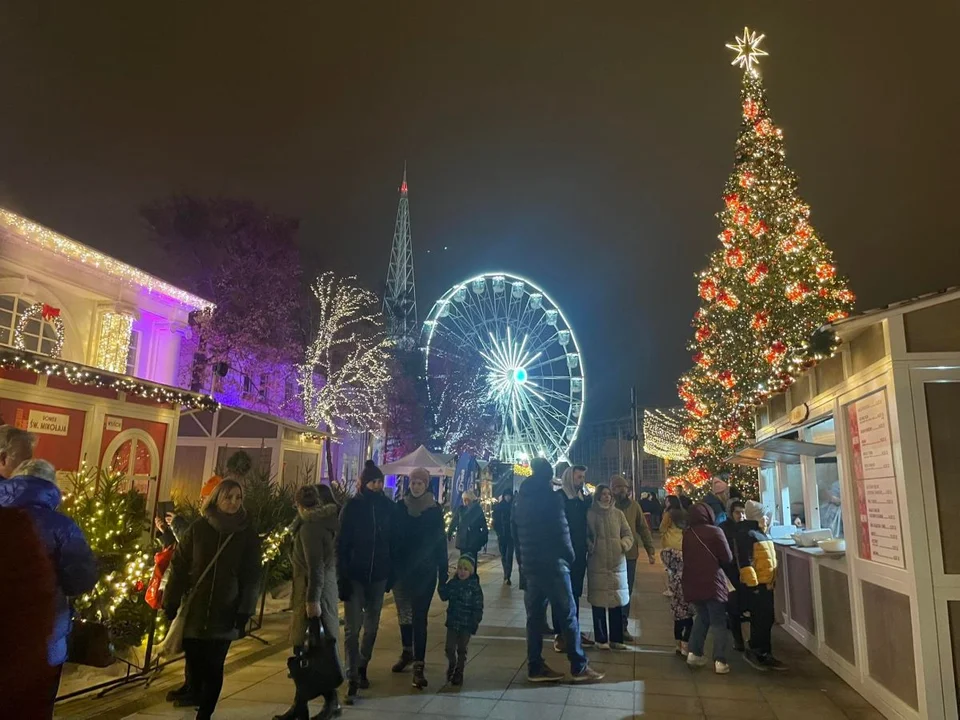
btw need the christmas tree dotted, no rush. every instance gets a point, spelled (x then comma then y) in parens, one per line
(766, 290)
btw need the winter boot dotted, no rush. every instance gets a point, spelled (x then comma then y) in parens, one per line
(294, 713)
(362, 681)
(406, 657)
(353, 691)
(450, 670)
(457, 678)
(330, 710)
(419, 681)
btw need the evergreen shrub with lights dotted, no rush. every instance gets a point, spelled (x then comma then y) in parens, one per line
(765, 291)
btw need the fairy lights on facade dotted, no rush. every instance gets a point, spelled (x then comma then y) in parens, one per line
(46, 239)
(114, 343)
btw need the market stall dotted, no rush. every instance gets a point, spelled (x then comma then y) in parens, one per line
(864, 448)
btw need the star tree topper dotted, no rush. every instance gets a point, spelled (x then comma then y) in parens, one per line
(748, 50)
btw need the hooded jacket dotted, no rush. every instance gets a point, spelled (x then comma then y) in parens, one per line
(67, 548)
(366, 549)
(314, 561)
(633, 512)
(609, 539)
(465, 603)
(540, 531)
(576, 505)
(755, 555)
(422, 556)
(705, 552)
(231, 588)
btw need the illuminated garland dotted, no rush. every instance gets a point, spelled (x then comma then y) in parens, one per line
(113, 346)
(662, 434)
(81, 375)
(273, 543)
(41, 312)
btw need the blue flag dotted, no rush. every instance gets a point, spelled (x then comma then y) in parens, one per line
(463, 479)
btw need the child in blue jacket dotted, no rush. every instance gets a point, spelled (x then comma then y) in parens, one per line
(464, 613)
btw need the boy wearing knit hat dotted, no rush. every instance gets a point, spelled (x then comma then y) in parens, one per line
(757, 560)
(464, 596)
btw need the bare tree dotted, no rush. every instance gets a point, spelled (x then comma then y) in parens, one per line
(345, 374)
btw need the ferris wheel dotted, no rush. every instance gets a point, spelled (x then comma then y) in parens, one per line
(527, 357)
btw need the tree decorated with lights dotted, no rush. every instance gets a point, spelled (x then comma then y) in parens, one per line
(765, 291)
(345, 374)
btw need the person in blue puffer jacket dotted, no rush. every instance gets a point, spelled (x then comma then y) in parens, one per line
(32, 488)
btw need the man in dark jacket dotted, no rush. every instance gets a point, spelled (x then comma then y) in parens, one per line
(734, 610)
(705, 553)
(545, 554)
(502, 524)
(469, 525)
(365, 555)
(33, 489)
(575, 504)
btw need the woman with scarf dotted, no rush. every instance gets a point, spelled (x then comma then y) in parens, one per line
(422, 564)
(221, 605)
(609, 538)
(314, 596)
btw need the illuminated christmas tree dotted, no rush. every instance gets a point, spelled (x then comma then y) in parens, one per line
(766, 290)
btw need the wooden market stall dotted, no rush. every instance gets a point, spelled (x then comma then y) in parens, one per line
(866, 446)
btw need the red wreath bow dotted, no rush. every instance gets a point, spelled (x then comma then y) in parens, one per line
(48, 312)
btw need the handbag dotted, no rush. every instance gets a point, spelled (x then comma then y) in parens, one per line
(730, 586)
(315, 668)
(173, 642)
(89, 643)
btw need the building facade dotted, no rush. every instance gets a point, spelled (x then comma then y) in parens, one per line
(605, 448)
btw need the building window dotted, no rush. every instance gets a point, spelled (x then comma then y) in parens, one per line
(133, 354)
(262, 389)
(247, 385)
(39, 336)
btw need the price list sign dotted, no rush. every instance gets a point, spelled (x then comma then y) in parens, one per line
(878, 507)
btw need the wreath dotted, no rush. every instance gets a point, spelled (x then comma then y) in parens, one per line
(46, 313)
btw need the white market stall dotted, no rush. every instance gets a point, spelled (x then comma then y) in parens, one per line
(436, 465)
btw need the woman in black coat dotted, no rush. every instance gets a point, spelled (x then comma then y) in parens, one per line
(221, 605)
(422, 564)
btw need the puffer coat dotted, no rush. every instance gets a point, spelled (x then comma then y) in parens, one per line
(231, 588)
(705, 553)
(422, 560)
(609, 538)
(67, 548)
(314, 561)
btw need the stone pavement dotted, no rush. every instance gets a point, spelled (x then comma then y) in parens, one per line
(646, 681)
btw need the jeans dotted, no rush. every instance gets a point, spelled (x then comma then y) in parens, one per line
(600, 628)
(711, 615)
(362, 610)
(412, 612)
(578, 572)
(631, 578)
(682, 628)
(205, 658)
(506, 556)
(761, 619)
(553, 588)
(456, 648)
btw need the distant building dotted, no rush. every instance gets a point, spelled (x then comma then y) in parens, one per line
(604, 447)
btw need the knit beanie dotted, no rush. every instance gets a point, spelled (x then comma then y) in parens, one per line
(208, 486)
(370, 472)
(755, 511)
(618, 481)
(470, 558)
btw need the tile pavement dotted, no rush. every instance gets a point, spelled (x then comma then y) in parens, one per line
(647, 681)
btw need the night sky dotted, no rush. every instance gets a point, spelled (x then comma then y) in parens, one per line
(584, 145)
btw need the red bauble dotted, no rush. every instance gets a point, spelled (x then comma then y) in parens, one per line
(702, 359)
(758, 228)
(727, 379)
(789, 244)
(702, 333)
(760, 320)
(776, 352)
(734, 257)
(823, 292)
(741, 215)
(731, 200)
(689, 434)
(846, 296)
(707, 288)
(746, 180)
(796, 291)
(826, 271)
(726, 237)
(698, 315)
(757, 273)
(839, 315)
(750, 109)
(764, 127)
(803, 231)
(727, 435)
(685, 392)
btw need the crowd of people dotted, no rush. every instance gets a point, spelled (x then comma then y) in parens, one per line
(719, 562)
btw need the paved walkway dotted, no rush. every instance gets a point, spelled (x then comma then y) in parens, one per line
(647, 681)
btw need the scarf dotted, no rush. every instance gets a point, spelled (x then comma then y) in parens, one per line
(416, 505)
(226, 524)
(566, 484)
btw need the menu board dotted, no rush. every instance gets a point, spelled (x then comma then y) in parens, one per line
(878, 507)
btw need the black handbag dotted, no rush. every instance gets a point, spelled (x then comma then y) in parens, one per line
(89, 643)
(315, 669)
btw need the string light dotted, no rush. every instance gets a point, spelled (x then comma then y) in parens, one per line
(40, 313)
(662, 434)
(113, 346)
(46, 239)
(273, 543)
(82, 375)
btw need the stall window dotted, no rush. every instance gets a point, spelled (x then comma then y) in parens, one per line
(768, 492)
(827, 478)
(792, 495)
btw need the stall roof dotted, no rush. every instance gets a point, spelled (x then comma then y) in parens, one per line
(272, 419)
(419, 458)
(779, 449)
(849, 325)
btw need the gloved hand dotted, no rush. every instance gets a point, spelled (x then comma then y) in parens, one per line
(241, 625)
